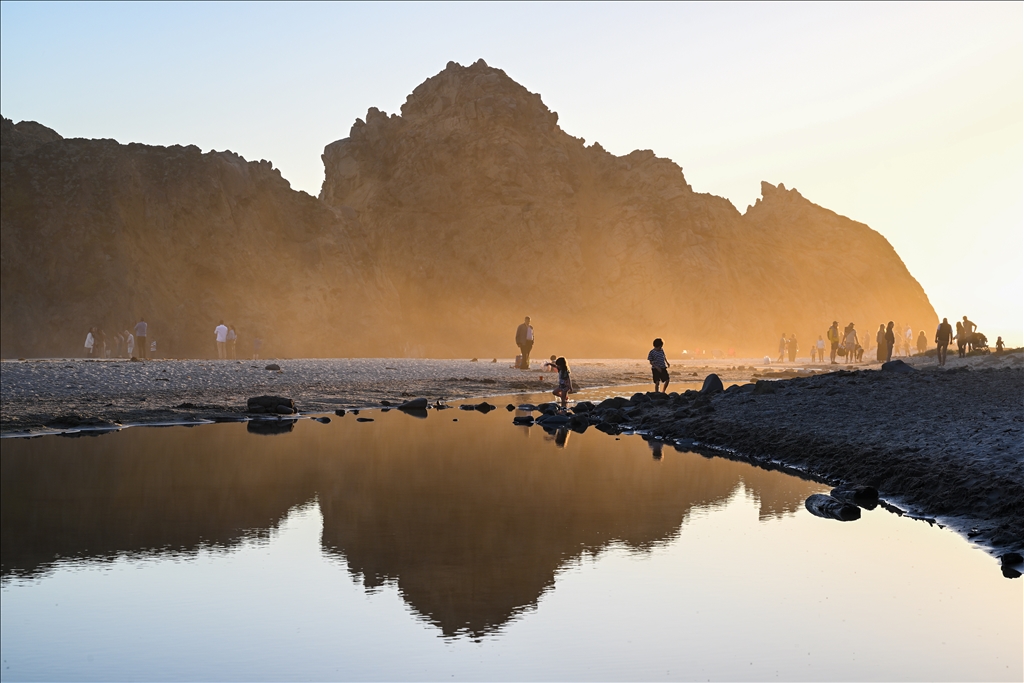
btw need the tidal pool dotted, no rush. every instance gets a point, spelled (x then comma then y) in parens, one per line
(463, 547)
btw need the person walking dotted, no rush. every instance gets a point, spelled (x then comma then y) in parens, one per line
(969, 330)
(524, 340)
(890, 341)
(961, 339)
(943, 336)
(564, 382)
(141, 331)
(659, 365)
(782, 348)
(833, 340)
(221, 333)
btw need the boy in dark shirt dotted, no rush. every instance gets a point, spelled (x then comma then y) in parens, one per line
(659, 365)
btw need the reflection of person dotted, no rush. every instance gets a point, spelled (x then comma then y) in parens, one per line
(833, 338)
(141, 328)
(564, 387)
(524, 340)
(890, 340)
(221, 331)
(659, 365)
(943, 336)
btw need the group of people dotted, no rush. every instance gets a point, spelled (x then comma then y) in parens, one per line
(124, 344)
(227, 339)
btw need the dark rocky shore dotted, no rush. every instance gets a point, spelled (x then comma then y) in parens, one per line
(942, 445)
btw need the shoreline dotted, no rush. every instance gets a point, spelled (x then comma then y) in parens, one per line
(945, 445)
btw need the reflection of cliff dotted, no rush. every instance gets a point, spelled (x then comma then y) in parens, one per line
(480, 207)
(98, 233)
(167, 490)
(471, 521)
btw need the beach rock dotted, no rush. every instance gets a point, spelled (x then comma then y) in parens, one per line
(340, 412)
(897, 366)
(1008, 559)
(712, 385)
(579, 423)
(763, 386)
(529, 407)
(522, 420)
(828, 507)
(510, 407)
(364, 419)
(323, 420)
(555, 421)
(484, 407)
(607, 428)
(583, 407)
(863, 496)
(272, 366)
(414, 404)
(271, 404)
(614, 402)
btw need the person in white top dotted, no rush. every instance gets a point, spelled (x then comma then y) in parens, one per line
(222, 337)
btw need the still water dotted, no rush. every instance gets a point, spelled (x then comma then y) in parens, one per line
(463, 547)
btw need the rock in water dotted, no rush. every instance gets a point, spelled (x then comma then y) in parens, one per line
(862, 496)
(414, 404)
(828, 507)
(270, 404)
(712, 385)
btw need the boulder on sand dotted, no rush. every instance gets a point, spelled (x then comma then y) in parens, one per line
(712, 385)
(270, 404)
(414, 404)
(862, 496)
(897, 366)
(828, 507)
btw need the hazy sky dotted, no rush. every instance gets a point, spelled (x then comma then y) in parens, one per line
(907, 117)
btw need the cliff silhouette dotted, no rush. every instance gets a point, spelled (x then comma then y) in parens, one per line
(435, 232)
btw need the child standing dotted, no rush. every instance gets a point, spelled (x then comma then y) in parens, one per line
(659, 365)
(564, 382)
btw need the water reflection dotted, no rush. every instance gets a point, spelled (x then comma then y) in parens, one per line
(471, 519)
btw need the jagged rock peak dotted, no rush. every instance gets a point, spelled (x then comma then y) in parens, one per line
(475, 92)
(24, 136)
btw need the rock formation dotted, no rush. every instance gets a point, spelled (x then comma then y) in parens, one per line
(436, 231)
(482, 210)
(95, 233)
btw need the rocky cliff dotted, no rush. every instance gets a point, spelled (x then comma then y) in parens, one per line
(95, 233)
(436, 231)
(482, 210)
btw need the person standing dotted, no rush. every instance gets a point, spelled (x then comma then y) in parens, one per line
(943, 336)
(961, 339)
(969, 330)
(90, 342)
(922, 343)
(141, 330)
(129, 343)
(890, 340)
(524, 340)
(564, 381)
(659, 365)
(850, 343)
(782, 348)
(221, 332)
(880, 340)
(821, 349)
(791, 344)
(908, 340)
(232, 338)
(833, 340)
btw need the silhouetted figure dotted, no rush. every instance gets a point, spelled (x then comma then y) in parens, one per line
(524, 340)
(782, 348)
(791, 345)
(943, 336)
(90, 342)
(922, 343)
(999, 345)
(890, 340)
(821, 349)
(659, 365)
(833, 340)
(969, 330)
(129, 343)
(564, 387)
(908, 340)
(257, 346)
(880, 340)
(141, 343)
(231, 339)
(850, 343)
(961, 339)
(221, 333)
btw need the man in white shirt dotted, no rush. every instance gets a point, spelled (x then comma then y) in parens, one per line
(222, 337)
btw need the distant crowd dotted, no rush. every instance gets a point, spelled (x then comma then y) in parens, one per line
(136, 342)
